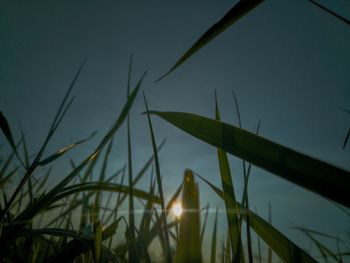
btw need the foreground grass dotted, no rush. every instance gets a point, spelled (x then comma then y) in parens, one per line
(92, 237)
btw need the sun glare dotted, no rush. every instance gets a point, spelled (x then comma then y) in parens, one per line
(177, 209)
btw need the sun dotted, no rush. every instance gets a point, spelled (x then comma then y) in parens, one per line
(177, 209)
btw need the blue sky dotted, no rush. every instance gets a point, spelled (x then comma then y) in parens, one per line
(287, 61)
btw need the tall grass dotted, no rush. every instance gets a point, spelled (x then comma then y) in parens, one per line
(92, 238)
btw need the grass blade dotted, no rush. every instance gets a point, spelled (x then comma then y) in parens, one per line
(102, 186)
(188, 247)
(47, 199)
(281, 245)
(4, 126)
(318, 176)
(160, 188)
(204, 223)
(213, 239)
(232, 212)
(269, 251)
(63, 150)
(331, 12)
(238, 11)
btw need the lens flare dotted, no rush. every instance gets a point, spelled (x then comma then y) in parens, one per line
(177, 209)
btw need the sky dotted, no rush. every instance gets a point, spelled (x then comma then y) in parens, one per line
(287, 61)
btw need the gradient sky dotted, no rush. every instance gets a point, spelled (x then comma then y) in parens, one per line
(287, 61)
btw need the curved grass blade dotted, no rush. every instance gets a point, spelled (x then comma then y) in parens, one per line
(102, 186)
(63, 150)
(47, 199)
(318, 176)
(63, 108)
(188, 246)
(238, 11)
(283, 247)
(77, 246)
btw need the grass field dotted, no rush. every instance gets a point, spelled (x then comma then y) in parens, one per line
(82, 218)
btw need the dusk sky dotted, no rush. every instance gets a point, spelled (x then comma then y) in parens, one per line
(287, 61)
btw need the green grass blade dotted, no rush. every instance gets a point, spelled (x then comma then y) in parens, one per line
(57, 120)
(117, 203)
(132, 253)
(160, 188)
(102, 186)
(188, 247)
(144, 169)
(174, 198)
(102, 176)
(49, 198)
(331, 12)
(318, 176)
(281, 245)
(7, 178)
(238, 11)
(246, 173)
(204, 223)
(6, 164)
(80, 245)
(269, 251)
(322, 248)
(97, 247)
(213, 239)
(63, 150)
(232, 211)
(4, 126)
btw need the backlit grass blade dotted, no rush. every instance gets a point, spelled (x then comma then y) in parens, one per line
(331, 12)
(174, 198)
(281, 245)
(318, 176)
(322, 248)
(102, 186)
(132, 253)
(49, 198)
(4, 126)
(117, 203)
(144, 168)
(232, 212)
(213, 239)
(314, 232)
(63, 150)
(80, 245)
(246, 173)
(63, 108)
(160, 187)
(204, 223)
(188, 246)
(103, 175)
(97, 247)
(269, 250)
(238, 11)
(6, 164)
(7, 178)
